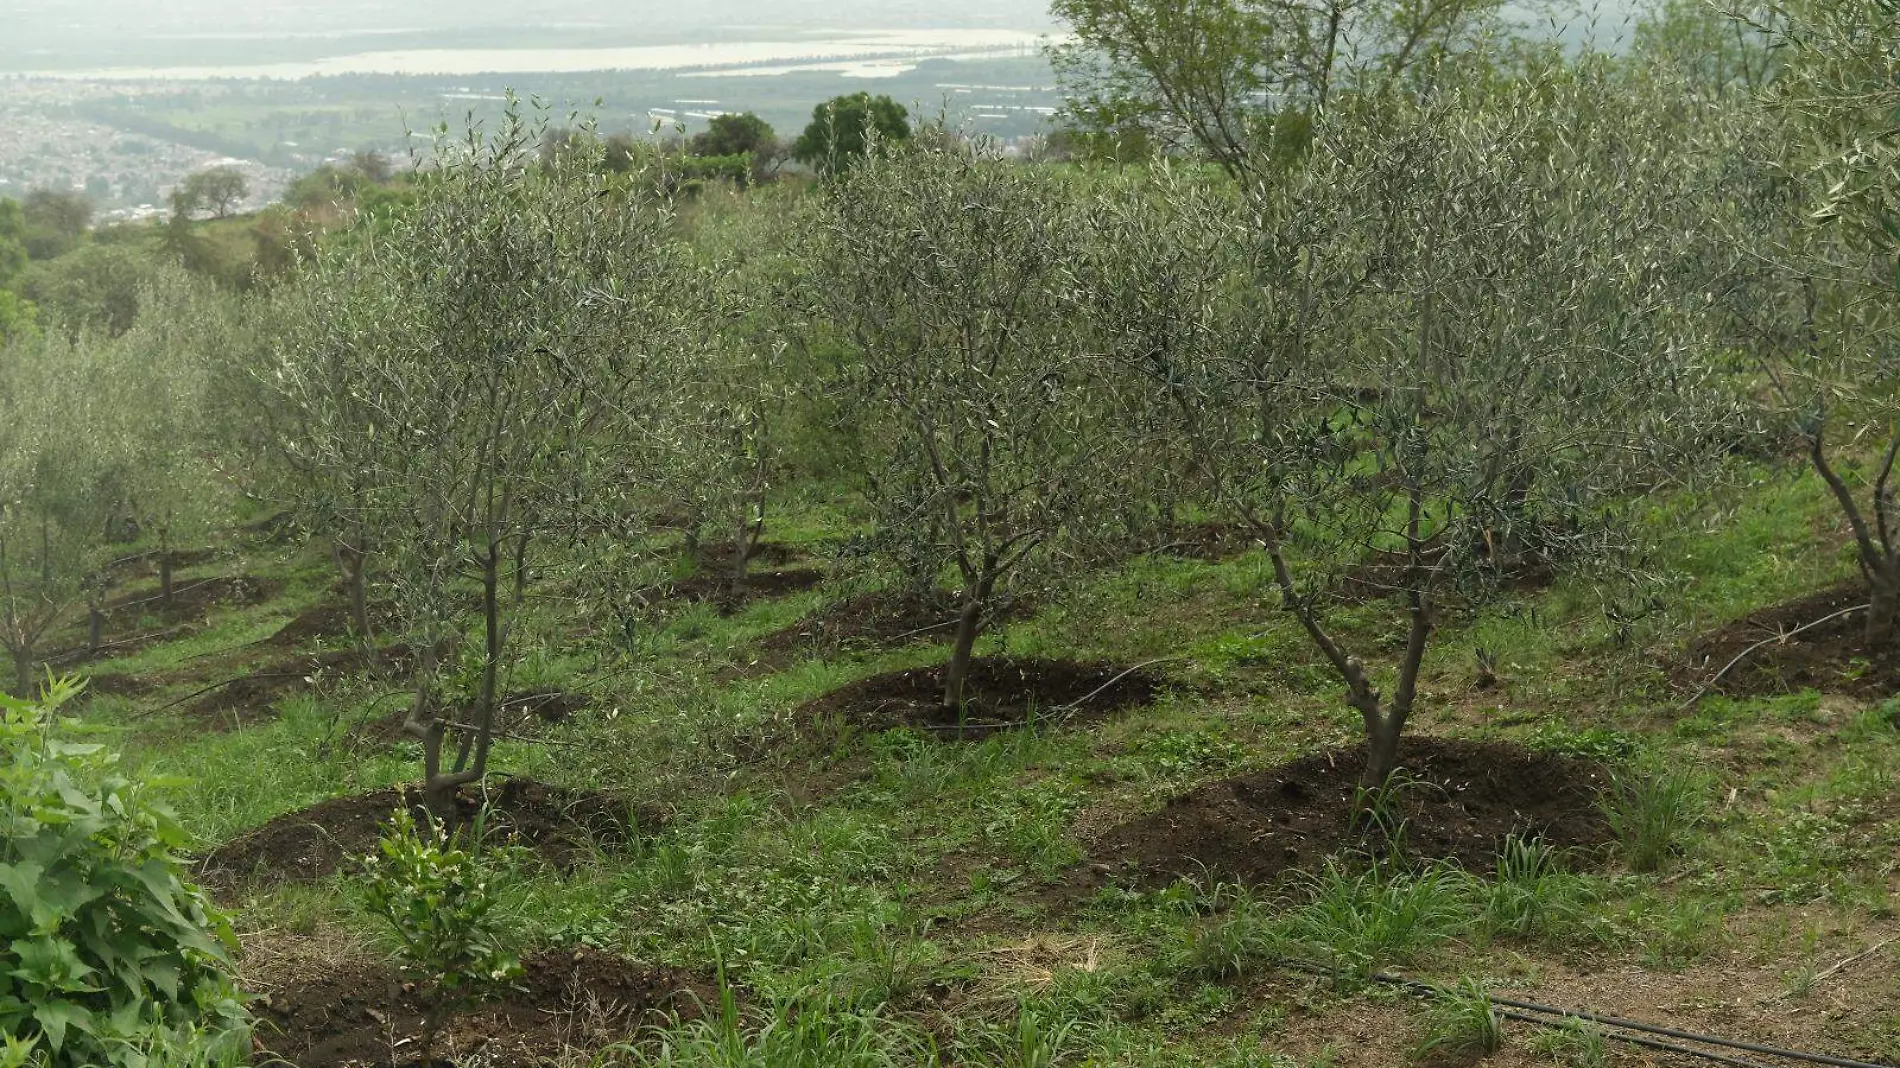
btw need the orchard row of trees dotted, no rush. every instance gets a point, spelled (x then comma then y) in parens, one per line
(1465, 325)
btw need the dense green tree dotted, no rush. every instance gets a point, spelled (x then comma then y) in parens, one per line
(843, 129)
(735, 135)
(56, 222)
(98, 288)
(218, 190)
(12, 240)
(1220, 76)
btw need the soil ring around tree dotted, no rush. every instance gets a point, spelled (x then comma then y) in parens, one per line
(562, 826)
(250, 699)
(362, 1013)
(1834, 657)
(1461, 801)
(192, 600)
(882, 618)
(717, 556)
(716, 588)
(327, 620)
(1000, 694)
(519, 716)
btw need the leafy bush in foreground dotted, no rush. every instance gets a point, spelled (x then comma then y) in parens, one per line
(107, 955)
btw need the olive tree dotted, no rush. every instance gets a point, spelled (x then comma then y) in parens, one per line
(56, 483)
(1224, 77)
(1447, 346)
(1824, 233)
(490, 344)
(950, 276)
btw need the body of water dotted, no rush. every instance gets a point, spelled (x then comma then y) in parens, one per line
(866, 51)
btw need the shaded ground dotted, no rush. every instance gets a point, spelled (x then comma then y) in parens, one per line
(252, 698)
(1000, 694)
(518, 717)
(882, 618)
(759, 586)
(560, 825)
(1382, 575)
(328, 620)
(192, 600)
(363, 1013)
(1833, 657)
(1212, 541)
(1465, 799)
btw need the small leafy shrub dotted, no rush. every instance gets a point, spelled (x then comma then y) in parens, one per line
(1462, 1022)
(106, 952)
(1651, 807)
(440, 906)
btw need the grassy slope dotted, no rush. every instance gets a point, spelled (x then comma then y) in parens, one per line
(899, 889)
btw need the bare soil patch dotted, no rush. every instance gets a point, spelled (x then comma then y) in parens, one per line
(362, 1013)
(717, 556)
(716, 588)
(193, 600)
(1833, 657)
(1382, 575)
(518, 716)
(881, 619)
(560, 825)
(1466, 799)
(1001, 694)
(250, 699)
(327, 621)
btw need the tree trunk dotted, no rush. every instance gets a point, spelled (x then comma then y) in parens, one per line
(165, 566)
(521, 566)
(471, 758)
(353, 565)
(24, 679)
(1883, 613)
(95, 628)
(1382, 751)
(745, 535)
(969, 628)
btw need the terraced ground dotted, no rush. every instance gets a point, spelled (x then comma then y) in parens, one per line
(740, 833)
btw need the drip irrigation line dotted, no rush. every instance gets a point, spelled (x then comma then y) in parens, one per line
(1547, 1015)
(1633, 1039)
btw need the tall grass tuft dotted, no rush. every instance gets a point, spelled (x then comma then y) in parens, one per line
(1651, 808)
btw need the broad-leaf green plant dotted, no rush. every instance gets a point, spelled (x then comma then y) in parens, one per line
(108, 955)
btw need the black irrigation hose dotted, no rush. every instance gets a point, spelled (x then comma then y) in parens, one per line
(1520, 1010)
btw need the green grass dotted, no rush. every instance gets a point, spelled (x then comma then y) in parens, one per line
(888, 899)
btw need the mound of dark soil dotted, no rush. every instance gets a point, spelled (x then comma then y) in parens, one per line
(560, 825)
(883, 618)
(250, 699)
(717, 556)
(193, 600)
(518, 717)
(326, 621)
(1000, 694)
(759, 586)
(1466, 798)
(1833, 657)
(565, 1001)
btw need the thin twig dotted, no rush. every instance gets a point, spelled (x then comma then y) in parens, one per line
(1751, 650)
(1839, 965)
